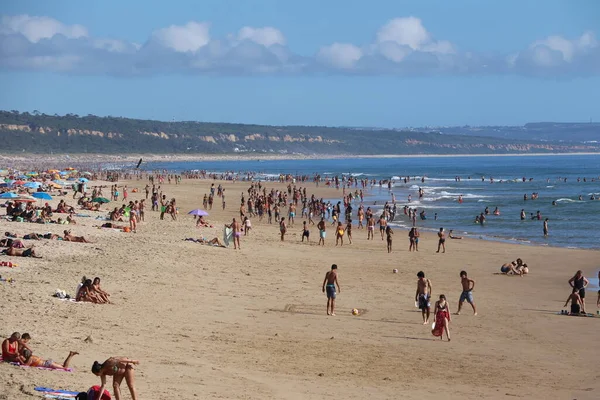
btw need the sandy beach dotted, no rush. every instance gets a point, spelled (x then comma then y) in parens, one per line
(214, 323)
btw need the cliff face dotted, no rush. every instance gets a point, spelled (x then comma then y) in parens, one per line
(72, 134)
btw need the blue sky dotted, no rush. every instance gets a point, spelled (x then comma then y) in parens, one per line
(354, 63)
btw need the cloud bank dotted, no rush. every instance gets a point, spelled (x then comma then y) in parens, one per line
(402, 47)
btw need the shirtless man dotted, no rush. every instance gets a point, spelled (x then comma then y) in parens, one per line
(329, 283)
(580, 282)
(382, 224)
(237, 232)
(467, 292)
(322, 231)
(10, 348)
(423, 295)
(291, 214)
(370, 227)
(12, 251)
(441, 241)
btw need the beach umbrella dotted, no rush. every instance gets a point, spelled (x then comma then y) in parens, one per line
(32, 185)
(32, 173)
(83, 180)
(42, 196)
(198, 212)
(101, 200)
(25, 200)
(64, 172)
(9, 195)
(19, 182)
(86, 173)
(53, 171)
(55, 185)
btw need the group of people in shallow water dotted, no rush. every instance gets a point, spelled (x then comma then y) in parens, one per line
(16, 349)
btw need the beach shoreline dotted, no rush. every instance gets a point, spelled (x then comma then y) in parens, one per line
(65, 159)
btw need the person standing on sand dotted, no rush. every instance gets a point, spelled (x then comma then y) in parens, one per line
(546, 227)
(349, 230)
(389, 232)
(237, 232)
(282, 228)
(382, 225)
(423, 295)
(305, 232)
(370, 227)
(442, 241)
(467, 292)
(580, 282)
(441, 318)
(322, 233)
(329, 283)
(339, 234)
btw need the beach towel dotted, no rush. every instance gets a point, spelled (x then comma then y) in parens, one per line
(44, 368)
(56, 393)
(227, 235)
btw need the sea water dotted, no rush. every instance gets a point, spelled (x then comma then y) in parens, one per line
(572, 222)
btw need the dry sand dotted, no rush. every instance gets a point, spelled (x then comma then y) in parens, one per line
(214, 323)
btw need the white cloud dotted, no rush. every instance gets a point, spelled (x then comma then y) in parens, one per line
(340, 55)
(267, 36)
(402, 46)
(37, 28)
(183, 38)
(405, 32)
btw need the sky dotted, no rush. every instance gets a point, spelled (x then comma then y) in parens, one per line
(378, 63)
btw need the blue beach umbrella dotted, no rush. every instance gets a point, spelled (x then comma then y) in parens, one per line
(198, 212)
(32, 185)
(42, 196)
(9, 195)
(83, 180)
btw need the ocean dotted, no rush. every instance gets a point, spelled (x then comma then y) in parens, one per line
(560, 179)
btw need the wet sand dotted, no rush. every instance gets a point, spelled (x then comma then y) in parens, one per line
(215, 323)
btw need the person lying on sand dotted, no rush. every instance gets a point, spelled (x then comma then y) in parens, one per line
(451, 236)
(78, 239)
(29, 360)
(215, 241)
(118, 368)
(30, 252)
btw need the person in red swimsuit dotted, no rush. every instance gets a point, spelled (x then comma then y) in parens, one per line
(441, 318)
(10, 348)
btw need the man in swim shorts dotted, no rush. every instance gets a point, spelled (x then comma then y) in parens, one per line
(382, 225)
(423, 295)
(441, 241)
(322, 232)
(237, 232)
(305, 232)
(329, 284)
(467, 292)
(370, 227)
(509, 269)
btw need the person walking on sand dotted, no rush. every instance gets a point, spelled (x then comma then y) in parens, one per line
(580, 282)
(282, 228)
(370, 227)
(329, 284)
(441, 318)
(467, 292)
(339, 234)
(118, 368)
(546, 227)
(322, 233)
(237, 233)
(389, 233)
(442, 241)
(423, 295)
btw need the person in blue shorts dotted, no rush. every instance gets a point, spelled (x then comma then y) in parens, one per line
(467, 292)
(329, 285)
